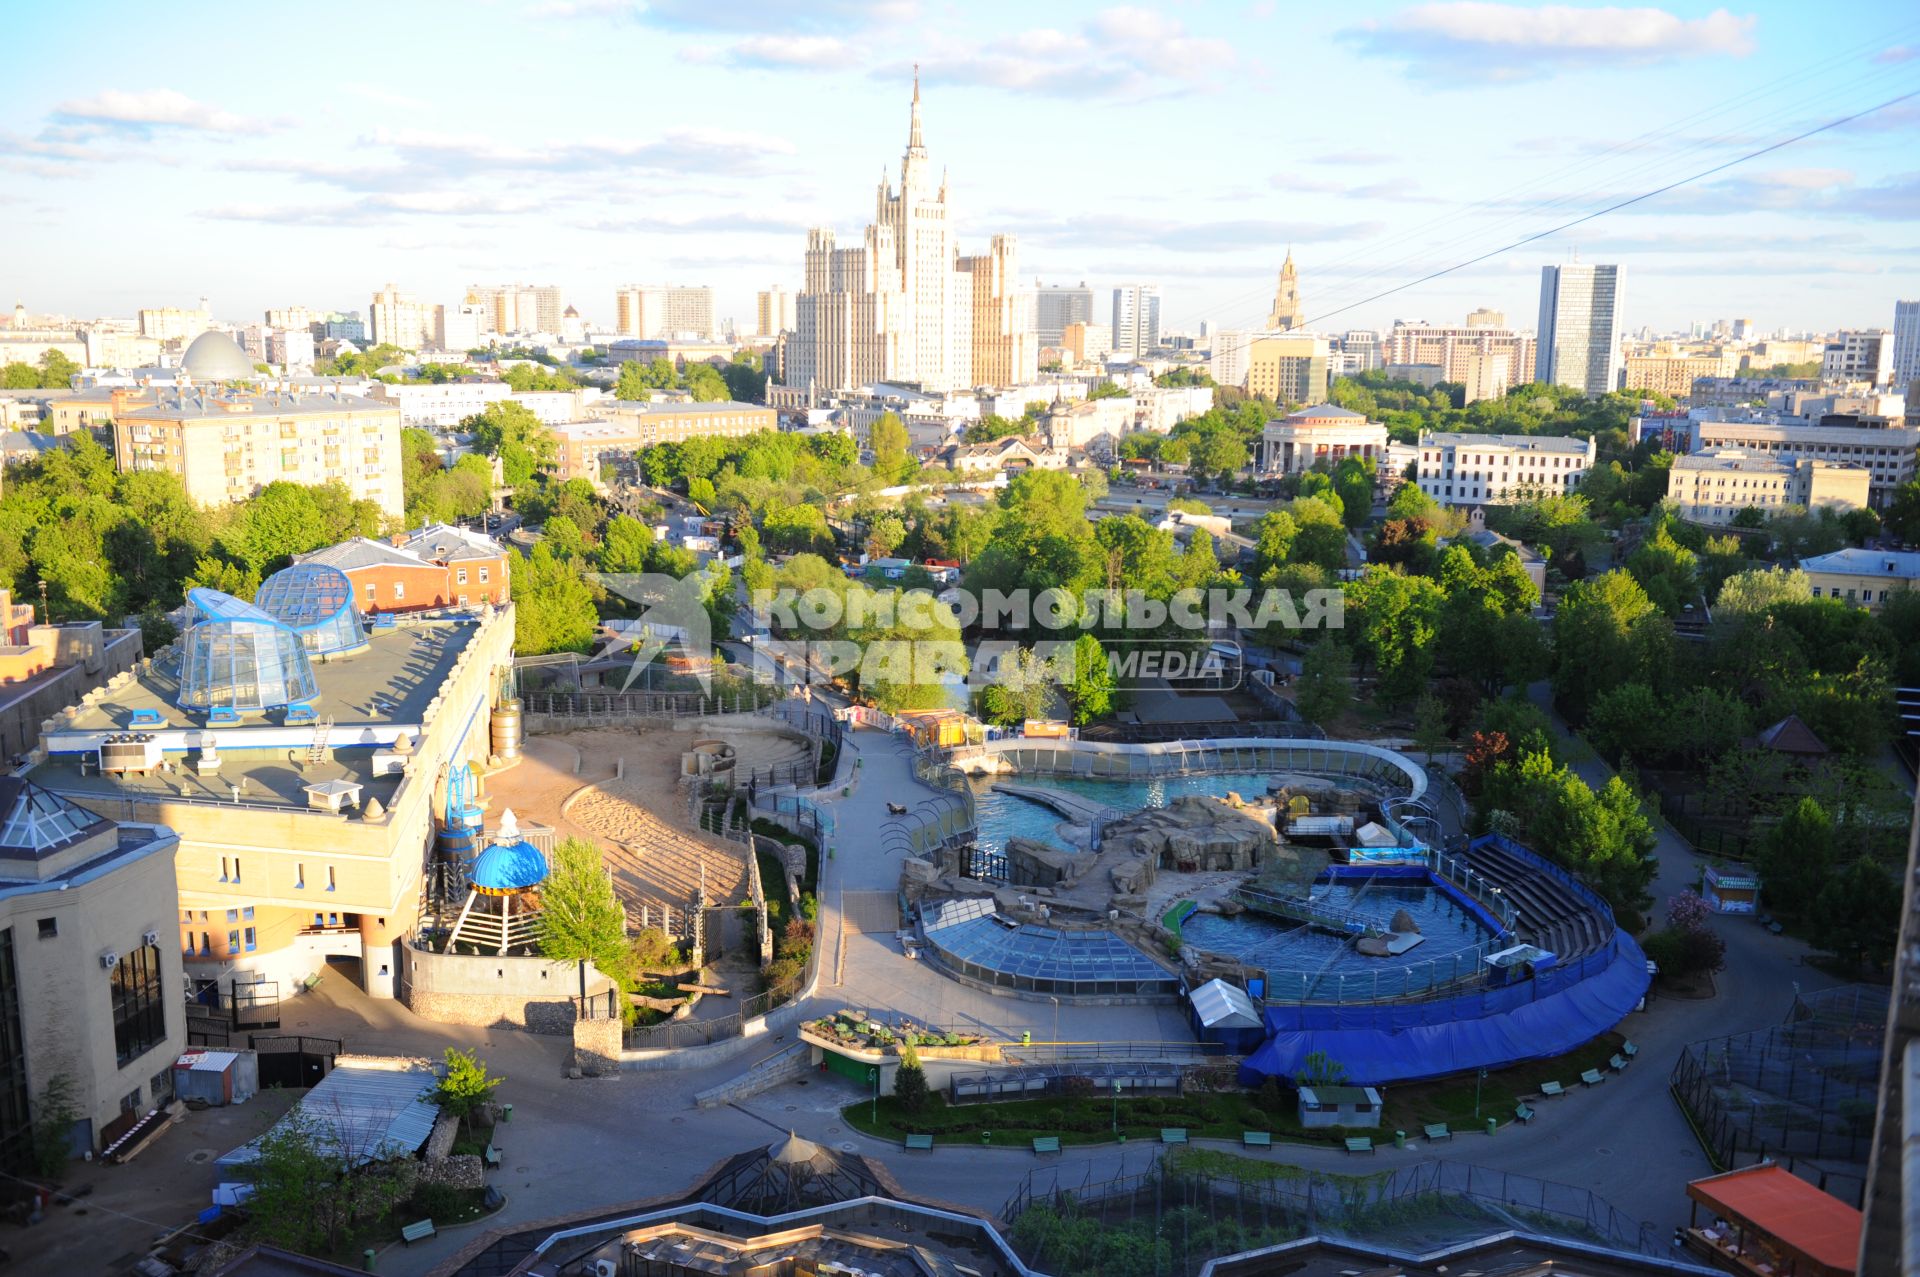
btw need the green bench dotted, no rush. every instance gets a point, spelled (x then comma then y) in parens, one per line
(1173, 1135)
(1439, 1131)
(1629, 1050)
(1045, 1144)
(417, 1232)
(1522, 1114)
(1617, 1064)
(491, 1157)
(1551, 1089)
(1359, 1144)
(920, 1141)
(1256, 1139)
(1593, 1077)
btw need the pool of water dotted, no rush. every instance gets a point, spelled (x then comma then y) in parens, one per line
(1002, 816)
(1306, 963)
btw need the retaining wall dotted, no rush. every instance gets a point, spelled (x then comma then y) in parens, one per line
(535, 994)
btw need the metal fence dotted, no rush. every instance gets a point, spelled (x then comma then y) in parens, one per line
(566, 711)
(1168, 1221)
(1804, 1089)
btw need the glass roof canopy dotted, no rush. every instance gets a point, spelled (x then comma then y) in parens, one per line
(316, 603)
(974, 942)
(237, 657)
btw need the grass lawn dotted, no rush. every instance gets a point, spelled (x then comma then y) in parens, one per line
(1224, 1115)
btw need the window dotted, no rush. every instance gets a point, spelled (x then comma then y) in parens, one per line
(130, 1102)
(233, 915)
(252, 940)
(186, 915)
(139, 1011)
(206, 943)
(300, 875)
(483, 576)
(399, 590)
(247, 912)
(236, 869)
(319, 919)
(331, 882)
(226, 872)
(233, 942)
(160, 1086)
(49, 928)
(460, 576)
(372, 589)
(463, 600)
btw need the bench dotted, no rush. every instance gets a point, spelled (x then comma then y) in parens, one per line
(920, 1141)
(1617, 1064)
(417, 1232)
(1173, 1135)
(1439, 1131)
(1256, 1139)
(1552, 1089)
(1522, 1114)
(1045, 1144)
(491, 1157)
(1359, 1144)
(1593, 1077)
(1629, 1050)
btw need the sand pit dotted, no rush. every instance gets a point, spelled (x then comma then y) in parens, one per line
(641, 819)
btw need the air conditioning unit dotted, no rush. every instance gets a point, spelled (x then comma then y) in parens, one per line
(109, 960)
(150, 938)
(605, 1268)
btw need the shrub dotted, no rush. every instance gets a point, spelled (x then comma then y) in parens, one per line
(910, 1083)
(1056, 1115)
(1703, 950)
(1666, 948)
(438, 1202)
(1076, 1087)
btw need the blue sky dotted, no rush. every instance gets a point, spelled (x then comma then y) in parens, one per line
(269, 155)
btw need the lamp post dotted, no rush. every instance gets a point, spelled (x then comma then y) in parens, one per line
(873, 1071)
(1056, 1021)
(46, 616)
(1116, 1108)
(1482, 1077)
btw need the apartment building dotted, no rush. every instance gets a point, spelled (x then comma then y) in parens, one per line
(774, 312)
(441, 405)
(1714, 485)
(1459, 469)
(1579, 328)
(1321, 435)
(1290, 369)
(171, 323)
(1462, 354)
(226, 446)
(627, 425)
(1859, 356)
(1867, 578)
(664, 311)
(1674, 375)
(399, 319)
(1005, 351)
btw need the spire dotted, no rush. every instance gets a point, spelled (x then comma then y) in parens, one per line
(914, 140)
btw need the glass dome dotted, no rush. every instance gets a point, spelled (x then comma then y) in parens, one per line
(315, 602)
(237, 657)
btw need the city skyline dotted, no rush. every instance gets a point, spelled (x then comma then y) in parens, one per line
(294, 182)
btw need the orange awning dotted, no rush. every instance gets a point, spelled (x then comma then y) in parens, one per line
(1788, 1211)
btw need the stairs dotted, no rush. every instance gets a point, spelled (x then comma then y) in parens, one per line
(317, 751)
(1550, 915)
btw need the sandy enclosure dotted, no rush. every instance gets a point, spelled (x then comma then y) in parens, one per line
(639, 820)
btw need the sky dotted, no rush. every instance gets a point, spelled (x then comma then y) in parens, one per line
(269, 155)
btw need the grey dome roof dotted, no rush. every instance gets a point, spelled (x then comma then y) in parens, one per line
(214, 357)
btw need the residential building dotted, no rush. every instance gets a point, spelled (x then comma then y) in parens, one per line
(1673, 375)
(1713, 485)
(294, 317)
(1136, 319)
(518, 308)
(1482, 317)
(1579, 329)
(625, 426)
(399, 319)
(774, 312)
(1088, 343)
(1884, 447)
(443, 405)
(1288, 369)
(1009, 454)
(1905, 360)
(553, 407)
(343, 326)
(1161, 408)
(111, 348)
(44, 668)
(1485, 376)
(1859, 356)
(1865, 577)
(290, 348)
(1005, 351)
(893, 307)
(657, 312)
(171, 323)
(281, 867)
(1360, 350)
(1288, 310)
(1092, 425)
(437, 566)
(226, 446)
(1463, 354)
(90, 979)
(1459, 469)
(1323, 435)
(1058, 305)
(461, 327)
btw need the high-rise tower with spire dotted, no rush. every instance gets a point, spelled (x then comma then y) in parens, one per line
(1287, 312)
(901, 306)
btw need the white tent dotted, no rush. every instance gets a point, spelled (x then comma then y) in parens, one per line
(1224, 1006)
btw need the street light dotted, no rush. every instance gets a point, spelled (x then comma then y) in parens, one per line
(1056, 1020)
(1116, 1108)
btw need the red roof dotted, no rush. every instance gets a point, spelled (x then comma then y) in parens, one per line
(1785, 1208)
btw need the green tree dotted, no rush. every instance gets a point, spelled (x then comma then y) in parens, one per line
(316, 1177)
(1430, 734)
(553, 608)
(1353, 481)
(1901, 515)
(1761, 589)
(1797, 857)
(1092, 689)
(466, 1085)
(581, 919)
(55, 1110)
(910, 1090)
(1324, 689)
(887, 439)
(508, 430)
(1399, 623)
(625, 545)
(1857, 914)
(1607, 633)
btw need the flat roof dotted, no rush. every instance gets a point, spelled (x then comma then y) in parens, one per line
(188, 406)
(1854, 561)
(1526, 443)
(1774, 1201)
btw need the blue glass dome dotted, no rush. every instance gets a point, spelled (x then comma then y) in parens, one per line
(315, 602)
(235, 656)
(508, 867)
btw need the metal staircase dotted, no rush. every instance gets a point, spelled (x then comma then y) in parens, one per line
(317, 751)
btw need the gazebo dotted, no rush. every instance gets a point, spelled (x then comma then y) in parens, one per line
(1768, 1222)
(508, 867)
(792, 1174)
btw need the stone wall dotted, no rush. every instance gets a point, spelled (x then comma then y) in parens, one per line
(596, 1046)
(534, 994)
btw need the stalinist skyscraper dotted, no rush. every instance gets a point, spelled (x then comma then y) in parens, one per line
(1287, 311)
(901, 305)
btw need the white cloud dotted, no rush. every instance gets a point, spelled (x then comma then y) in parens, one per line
(1898, 53)
(1475, 40)
(386, 97)
(154, 109)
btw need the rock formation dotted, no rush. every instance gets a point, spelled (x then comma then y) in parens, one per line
(1194, 832)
